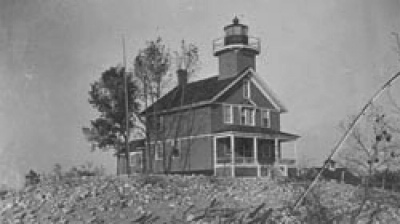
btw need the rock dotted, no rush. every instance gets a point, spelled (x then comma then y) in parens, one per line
(190, 217)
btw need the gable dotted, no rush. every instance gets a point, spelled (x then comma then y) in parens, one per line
(258, 96)
(235, 96)
(267, 92)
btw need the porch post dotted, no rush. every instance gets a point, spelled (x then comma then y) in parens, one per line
(255, 151)
(232, 155)
(215, 155)
(277, 154)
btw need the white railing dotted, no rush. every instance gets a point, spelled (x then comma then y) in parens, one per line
(253, 43)
(238, 160)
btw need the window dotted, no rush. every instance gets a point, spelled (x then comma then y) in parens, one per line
(228, 115)
(265, 118)
(224, 151)
(135, 159)
(247, 116)
(159, 152)
(175, 148)
(246, 89)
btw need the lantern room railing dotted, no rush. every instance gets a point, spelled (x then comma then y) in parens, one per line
(253, 43)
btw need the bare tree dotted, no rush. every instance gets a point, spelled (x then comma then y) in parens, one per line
(152, 66)
(182, 122)
(372, 148)
(372, 145)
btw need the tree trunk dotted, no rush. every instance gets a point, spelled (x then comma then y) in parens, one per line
(127, 152)
(118, 164)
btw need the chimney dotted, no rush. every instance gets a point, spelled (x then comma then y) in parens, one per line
(182, 77)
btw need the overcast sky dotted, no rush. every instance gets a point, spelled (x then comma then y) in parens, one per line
(324, 59)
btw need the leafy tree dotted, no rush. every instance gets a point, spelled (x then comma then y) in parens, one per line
(107, 96)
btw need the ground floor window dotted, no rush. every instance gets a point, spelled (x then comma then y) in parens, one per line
(224, 150)
(175, 148)
(244, 150)
(135, 161)
(159, 152)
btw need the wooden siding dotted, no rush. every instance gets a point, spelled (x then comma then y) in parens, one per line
(231, 63)
(275, 120)
(188, 123)
(258, 97)
(196, 155)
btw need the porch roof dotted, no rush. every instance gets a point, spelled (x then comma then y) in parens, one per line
(257, 131)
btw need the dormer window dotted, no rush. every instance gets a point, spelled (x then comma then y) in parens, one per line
(246, 89)
(247, 116)
(265, 118)
(228, 114)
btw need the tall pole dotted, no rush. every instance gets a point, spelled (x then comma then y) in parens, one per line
(128, 170)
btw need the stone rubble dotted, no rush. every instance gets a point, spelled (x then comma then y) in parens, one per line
(179, 199)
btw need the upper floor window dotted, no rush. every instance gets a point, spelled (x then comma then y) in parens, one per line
(246, 89)
(228, 114)
(247, 116)
(265, 118)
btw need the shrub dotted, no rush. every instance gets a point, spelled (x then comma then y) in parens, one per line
(32, 178)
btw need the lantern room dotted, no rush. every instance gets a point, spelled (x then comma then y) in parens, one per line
(236, 33)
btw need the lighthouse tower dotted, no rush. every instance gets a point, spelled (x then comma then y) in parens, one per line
(236, 51)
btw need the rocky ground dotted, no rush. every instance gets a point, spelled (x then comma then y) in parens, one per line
(190, 199)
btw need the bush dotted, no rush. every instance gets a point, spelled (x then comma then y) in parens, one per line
(153, 180)
(32, 178)
(85, 170)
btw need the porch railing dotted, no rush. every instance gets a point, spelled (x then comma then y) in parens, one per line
(238, 160)
(245, 160)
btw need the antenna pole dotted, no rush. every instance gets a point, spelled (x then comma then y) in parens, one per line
(125, 76)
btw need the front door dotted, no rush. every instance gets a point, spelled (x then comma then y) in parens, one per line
(266, 151)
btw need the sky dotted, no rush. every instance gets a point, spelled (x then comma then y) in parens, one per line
(323, 59)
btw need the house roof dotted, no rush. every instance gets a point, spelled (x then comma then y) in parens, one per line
(207, 91)
(195, 92)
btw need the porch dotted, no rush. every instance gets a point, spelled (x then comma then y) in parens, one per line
(243, 154)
